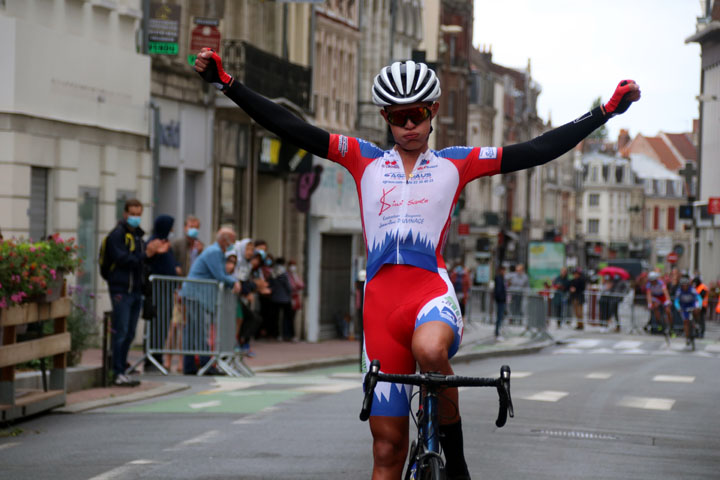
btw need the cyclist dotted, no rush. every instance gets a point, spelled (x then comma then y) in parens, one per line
(411, 314)
(658, 300)
(687, 302)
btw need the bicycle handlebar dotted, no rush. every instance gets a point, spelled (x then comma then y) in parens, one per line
(436, 380)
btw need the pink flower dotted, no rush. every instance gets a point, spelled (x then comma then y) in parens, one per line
(43, 266)
(3, 302)
(16, 297)
(52, 272)
(32, 249)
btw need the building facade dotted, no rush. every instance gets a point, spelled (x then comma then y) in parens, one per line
(73, 131)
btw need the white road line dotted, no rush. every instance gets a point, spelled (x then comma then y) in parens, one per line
(704, 354)
(122, 470)
(601, 350)
(328, 388)
(647, 403)
(674, 378)
(547, 396)
(585, 343)
(627, 345)
(212, 403)
(599, 375)
(9, 445)
(567, 350)
(514, 375)
(715, 348)
(202, 438)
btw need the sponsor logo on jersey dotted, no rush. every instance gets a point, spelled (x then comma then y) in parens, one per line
(391, 164)
(488, 152)
(342, 145)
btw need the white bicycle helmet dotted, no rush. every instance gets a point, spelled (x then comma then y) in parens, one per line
(405, 82)
(652, 276)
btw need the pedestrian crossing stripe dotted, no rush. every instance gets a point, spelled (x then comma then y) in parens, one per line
(598, 375)
(647, 403)
(674, 378)
(546, 396)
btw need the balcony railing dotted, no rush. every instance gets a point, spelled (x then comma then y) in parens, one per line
(266, 73)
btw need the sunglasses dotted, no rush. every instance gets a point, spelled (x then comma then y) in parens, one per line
(416, 115)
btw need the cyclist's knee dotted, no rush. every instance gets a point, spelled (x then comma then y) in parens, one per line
(389, 447)
(431, 356)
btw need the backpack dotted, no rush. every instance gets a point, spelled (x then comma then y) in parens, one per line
(104, 262)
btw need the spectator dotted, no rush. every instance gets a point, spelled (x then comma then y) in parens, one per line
(281, 298)
(127, 252)
(500, 296)
(297, 286)
(460, 278)
(702, 290)
(159, 264)
(187, 248)
(619, 290)
(250, 321)
(200, 298)
(577, 296)
(517, 284)
(560, 284)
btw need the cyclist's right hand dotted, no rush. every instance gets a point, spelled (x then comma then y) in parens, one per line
(208, 65)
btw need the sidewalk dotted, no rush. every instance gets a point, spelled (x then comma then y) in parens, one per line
(273, 356)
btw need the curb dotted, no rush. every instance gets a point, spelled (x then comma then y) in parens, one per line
(164, 389)
(307, 365)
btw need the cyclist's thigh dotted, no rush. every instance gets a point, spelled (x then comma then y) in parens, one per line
(443, 308)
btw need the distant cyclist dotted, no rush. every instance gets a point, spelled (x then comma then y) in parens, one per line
(688, 302)
(658, 301)
(407, 195)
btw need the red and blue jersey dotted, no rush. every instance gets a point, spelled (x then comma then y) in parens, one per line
(406, 219)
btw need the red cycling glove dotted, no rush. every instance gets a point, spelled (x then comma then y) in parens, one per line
(214, 72)
(619, 102)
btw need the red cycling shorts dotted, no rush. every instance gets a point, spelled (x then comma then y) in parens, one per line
(398, 299)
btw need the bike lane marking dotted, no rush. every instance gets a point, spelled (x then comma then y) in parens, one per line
(123, 470)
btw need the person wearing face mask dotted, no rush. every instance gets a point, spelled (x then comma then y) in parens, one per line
(188, 247)
(127, 253)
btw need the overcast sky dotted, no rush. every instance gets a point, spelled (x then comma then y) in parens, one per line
(580, 49)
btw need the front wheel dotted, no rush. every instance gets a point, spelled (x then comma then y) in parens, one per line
(433, 469)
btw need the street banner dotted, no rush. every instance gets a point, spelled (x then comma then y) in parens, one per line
(714, 205)
(545, 259)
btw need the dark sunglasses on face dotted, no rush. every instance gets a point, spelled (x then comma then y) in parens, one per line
(416, 115)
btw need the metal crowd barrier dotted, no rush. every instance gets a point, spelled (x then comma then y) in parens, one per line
(194, 317)
(535, 310)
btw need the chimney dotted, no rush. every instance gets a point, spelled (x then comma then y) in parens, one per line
(623, 139)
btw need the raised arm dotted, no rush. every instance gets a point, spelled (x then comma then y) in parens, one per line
(267, 113)
(550, 145)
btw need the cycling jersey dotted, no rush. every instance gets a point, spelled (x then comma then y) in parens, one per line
(687, 300)
(657, 290)
(406, 220)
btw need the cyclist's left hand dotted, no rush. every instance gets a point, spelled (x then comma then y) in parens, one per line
(625, 93)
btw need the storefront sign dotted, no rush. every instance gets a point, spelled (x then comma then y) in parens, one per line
(163, 28)
(545, 259)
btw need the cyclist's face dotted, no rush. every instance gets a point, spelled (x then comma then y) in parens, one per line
(410, 124)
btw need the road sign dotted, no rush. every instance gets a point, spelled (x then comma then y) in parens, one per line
(163, 28)
(672, 257)
(204, 36)
(714, 205)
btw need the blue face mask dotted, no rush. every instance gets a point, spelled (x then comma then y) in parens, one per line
(134, 221)
(192, 232)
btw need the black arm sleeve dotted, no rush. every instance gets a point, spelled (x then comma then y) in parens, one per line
(552, 144)
(279, 120)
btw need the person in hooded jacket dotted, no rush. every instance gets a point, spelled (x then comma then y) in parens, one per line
(127, 253)
(158, 311)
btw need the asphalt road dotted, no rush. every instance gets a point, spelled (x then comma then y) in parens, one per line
(600, 407)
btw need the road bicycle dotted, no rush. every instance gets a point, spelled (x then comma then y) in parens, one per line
(424, 459)
(662, 317)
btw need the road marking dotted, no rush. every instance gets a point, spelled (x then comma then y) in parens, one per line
(704, 354)
(585, 343)
(713, 348)
(328, 388)
(601, 350)
(520, 374)
(547, 396)
(599, 375)
(674, 378)
(9, 445)
(202, 438)
(122, 470)
(627, 345)
(567, 350)
(647, 403)
(210, 404)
